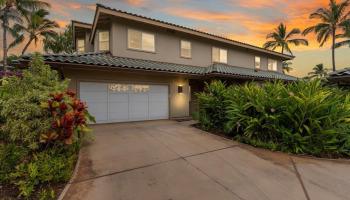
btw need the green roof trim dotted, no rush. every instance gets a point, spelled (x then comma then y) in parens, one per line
(107, 60)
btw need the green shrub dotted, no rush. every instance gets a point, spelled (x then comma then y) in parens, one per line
(212, 105)
(46, 167)
(41, 127)
(10, 156)
(300, 117)
(20, 102)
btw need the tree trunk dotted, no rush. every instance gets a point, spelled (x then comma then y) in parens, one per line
(282, 50)
(333, 50)
(27, 45)
(4, 26)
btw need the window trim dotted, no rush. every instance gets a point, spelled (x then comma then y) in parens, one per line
(270, 59)
(109, 40)
(77, 45)
(259, 68)
(181, 56)
(212, 57)
(140, 50)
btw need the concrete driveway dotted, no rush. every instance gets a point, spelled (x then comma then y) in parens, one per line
(168, 160)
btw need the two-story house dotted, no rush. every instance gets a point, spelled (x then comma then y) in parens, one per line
(130, 67)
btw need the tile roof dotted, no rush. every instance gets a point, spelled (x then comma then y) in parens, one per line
(341, 72)
(105, 59)
(248, 72)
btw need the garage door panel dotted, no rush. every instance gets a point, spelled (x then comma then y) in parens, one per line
(158, 97)
(93, 87)
(117, 97)
(158, 110)
(130, 103)
(138, 106)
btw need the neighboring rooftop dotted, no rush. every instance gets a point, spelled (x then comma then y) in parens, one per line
(105, 59)
(341, 76)
(123, 14)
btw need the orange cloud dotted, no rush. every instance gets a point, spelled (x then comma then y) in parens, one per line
(259, 3)
(62, 23)
(135, 2)
(75, 5)
(200, 15)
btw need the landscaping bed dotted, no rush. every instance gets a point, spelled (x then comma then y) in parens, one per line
(304, 117)
(42, 126)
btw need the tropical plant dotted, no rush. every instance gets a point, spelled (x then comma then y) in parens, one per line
(60, 43)
(37, 26)
(42, 125)
(319, 71)
(13, 10)
(332, 20)
(211, 105)
(303, 117)
(286, 66)
(20, 103)
(281, 38)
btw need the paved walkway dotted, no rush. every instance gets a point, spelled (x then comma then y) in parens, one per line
(167, 160)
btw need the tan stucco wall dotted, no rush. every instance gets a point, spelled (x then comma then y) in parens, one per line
(168, 47)
(178, 103)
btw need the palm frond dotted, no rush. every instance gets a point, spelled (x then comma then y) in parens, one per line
(294, 31)
(298, 42)
(342, 44)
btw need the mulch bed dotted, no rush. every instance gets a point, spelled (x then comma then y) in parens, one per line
(10, 192)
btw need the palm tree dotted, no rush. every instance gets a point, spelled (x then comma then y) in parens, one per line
(332, 20)
(37, 26)
(60, 43)
(280, 38)
(318, 71)
(13, 10)
(286, 67)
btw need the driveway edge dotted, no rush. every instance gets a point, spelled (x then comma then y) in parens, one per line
(69, 183)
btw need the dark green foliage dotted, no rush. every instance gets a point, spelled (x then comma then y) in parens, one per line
(10, 156)
(20, 99)
(46, 167)
(300, 117)
(212, 105)
(33, 160)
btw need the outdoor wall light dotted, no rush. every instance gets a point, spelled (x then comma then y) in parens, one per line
(179, 89)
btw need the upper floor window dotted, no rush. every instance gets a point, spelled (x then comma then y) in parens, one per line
(141, 41)
(186, 49)
(257, 62)
(272, 65)
(103, 37)
(219, 55)
(80, 45)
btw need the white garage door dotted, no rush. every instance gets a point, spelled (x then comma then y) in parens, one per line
(113, 102)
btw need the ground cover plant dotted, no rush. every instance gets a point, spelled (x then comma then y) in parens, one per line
(303, 117)
(42, 125)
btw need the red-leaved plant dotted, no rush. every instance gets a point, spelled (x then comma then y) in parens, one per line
(70, 117)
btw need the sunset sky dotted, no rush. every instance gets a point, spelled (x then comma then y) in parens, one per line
(242, 20)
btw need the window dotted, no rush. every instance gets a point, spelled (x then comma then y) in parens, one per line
(140, 40)
(103, 37)
(257, 62)
(185, 49)
(219, 55)
(272, 65)
(80, 45)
